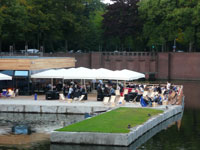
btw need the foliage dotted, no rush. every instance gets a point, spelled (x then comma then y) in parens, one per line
(130, 25)
(122, 22)
(166, 21)
(56, 25)
(115, 121)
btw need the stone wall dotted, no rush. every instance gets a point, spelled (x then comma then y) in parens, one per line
(162, 65)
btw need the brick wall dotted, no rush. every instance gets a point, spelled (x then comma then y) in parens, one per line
(162, 65)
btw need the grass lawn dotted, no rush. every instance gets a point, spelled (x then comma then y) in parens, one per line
(115, 121)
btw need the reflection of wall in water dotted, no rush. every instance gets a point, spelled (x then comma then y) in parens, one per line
(192, 94)
(39, 122)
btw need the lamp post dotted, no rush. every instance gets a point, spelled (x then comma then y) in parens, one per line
(11, 50)
(26, 48)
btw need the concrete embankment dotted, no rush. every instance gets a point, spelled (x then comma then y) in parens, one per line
(117, 139)
(134, 146)
(60, 107)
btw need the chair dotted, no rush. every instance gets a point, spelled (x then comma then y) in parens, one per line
(154, 104)
(165, 102)
(81, 97)
(117, 92)
(69, 100)
(145, 93)
(106, 100)
(112, 100)
(61, 97)
(16, 92)
(125, 91)
(75, 98)
(121, 100)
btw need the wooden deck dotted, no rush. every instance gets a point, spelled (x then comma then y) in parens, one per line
(37, 63)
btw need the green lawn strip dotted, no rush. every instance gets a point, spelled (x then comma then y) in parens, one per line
(115, 121)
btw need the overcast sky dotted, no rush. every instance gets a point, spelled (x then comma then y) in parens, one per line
(106, 1)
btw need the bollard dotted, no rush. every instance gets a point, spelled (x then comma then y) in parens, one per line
(35, 96)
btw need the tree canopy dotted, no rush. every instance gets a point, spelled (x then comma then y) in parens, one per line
(90, 25)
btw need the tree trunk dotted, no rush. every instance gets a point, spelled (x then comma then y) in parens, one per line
(26, 45)
(0, 46)
(66, 45)
(195, 39)
(13, 46)
(99, 47)
(190, 46)
(43, 44)
(163, 46)
(38, 41)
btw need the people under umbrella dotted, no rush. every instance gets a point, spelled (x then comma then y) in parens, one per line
(147, 95)
(72, 90)
(107, 89)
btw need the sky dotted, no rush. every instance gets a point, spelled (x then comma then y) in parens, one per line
(106, 1)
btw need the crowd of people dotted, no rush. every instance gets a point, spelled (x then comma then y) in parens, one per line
(70, 89)
(145, 94)
(158, 94)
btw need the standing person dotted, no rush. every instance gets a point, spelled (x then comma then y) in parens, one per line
(65, 90)
(112, 90)
(168, 85)
(93, 84)
(82, 90)
(106, 90)
(70, 93)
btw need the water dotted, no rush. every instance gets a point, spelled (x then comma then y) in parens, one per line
(181, 135)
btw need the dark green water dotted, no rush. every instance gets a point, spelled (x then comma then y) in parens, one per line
(184, 135)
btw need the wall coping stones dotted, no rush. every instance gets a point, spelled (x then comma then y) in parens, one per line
(116, 139)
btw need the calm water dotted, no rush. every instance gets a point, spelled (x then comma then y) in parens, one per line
(184, 135)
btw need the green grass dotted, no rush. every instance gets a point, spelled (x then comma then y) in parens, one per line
(115, 121)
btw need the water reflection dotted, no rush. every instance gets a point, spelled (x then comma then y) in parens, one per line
(39, 123)
(164, 125)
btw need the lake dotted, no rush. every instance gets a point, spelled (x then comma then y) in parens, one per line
(179, 135)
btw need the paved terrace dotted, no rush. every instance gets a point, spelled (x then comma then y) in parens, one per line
(27, 104)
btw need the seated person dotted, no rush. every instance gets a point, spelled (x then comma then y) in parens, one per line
(10, 93)
(4, 92)
(112, 91)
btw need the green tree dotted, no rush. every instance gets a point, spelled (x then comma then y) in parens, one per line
(122, 20)
(1, 24)
(14, 16)
(94, 36)
(169, 22)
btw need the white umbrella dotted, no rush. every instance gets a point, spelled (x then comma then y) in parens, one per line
(48, 74)
(5, 77)
(125, 74)
(79, 73)
(103, 73)
(133, 75)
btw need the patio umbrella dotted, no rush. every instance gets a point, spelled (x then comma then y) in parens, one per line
(127, 75)
(79, 73)
(48, 74)
(5, 77)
